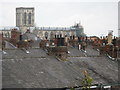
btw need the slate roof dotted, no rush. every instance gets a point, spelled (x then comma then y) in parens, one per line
(38, 70)
(19, 53)
(29, 36)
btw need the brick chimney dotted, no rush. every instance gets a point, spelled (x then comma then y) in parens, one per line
(15, 36)
(58, 51)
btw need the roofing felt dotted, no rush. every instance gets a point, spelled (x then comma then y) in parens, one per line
(38, 70)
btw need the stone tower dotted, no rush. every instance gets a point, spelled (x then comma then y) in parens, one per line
(24, 18)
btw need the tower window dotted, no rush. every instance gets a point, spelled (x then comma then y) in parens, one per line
(29, 18)
(25, 18)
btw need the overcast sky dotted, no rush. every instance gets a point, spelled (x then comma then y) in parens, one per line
(97, 18)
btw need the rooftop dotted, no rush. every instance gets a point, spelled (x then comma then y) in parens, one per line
(38, 70)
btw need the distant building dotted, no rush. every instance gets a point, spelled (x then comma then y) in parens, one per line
(24, 18)
(25, 21)
(51, 32)
(6, 33)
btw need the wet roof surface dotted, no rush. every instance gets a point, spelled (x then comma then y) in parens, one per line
(38, 70)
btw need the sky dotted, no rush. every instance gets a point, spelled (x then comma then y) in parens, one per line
(96, 16)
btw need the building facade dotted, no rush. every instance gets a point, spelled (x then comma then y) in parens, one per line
(6, 33)
(53, 32)
(24, 18)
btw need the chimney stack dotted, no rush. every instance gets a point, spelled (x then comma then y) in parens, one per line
(110, 37)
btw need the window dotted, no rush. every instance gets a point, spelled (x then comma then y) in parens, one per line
(29, 18)
(51, 35)
(25, 18)
(46, 35)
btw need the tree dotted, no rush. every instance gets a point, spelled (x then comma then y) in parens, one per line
(87, 81)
